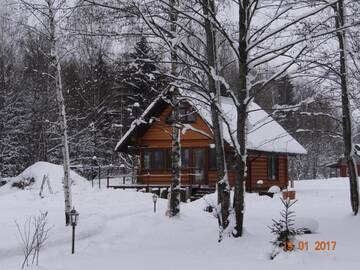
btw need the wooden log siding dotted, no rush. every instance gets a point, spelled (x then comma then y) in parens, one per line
(344, 170)
(160, 131)
(257, 170)
(157, 136)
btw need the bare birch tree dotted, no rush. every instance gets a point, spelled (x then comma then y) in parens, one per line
(175, 138)
(47, 14)
(55, 71)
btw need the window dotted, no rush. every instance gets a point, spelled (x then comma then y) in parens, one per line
(168, 159)
(212, 159)
(146, 160)
(185, 158)
(157, 160)
(272, 167)
(153, 160)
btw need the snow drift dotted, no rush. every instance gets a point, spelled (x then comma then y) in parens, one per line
(54, 172)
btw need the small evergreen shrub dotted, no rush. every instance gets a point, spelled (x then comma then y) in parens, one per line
(284, 230)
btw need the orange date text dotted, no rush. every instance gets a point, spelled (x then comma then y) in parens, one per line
(318, 245)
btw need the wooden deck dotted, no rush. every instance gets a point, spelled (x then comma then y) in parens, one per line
(187, 192)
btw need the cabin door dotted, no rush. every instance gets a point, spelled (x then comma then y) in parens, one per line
(199, 165)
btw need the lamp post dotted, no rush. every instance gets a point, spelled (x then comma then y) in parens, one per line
(97, 164)
(122, 171)
(93, 173)
(154, 197)
(74, 217)
(108, 175)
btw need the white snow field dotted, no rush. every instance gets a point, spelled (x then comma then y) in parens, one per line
(119, 230)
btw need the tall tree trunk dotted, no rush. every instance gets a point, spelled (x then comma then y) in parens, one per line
(223, 187)
(175, 147)
(2, 102)
(242, 95)
(346, 115)
(55, 69)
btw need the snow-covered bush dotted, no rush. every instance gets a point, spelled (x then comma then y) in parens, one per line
(284, 230)
(23, 182)
(274, 189)
(309, 225)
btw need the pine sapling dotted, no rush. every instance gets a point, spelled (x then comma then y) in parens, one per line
(284, 229)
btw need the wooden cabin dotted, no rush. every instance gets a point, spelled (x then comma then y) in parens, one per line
(340, 168)
(149, 136)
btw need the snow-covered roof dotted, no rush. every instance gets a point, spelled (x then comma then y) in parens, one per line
(342, 162)
(357, 149)
(264, 133)
(138, 122)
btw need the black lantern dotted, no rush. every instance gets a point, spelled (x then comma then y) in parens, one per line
(74, 218)
(154, 197)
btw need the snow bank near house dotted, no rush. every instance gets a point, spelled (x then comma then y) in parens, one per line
(308, 223)
(274, 189)
(53, 171)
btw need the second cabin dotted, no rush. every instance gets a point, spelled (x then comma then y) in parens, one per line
(268, 144)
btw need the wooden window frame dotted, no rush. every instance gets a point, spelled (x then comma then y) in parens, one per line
(206, 163)
(166, 162)
(143, 160)
(151, 151)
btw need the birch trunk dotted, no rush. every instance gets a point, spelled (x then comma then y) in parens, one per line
(174, 200)
(242, 95)
(55, 69)
(346, 114)
(223, 187)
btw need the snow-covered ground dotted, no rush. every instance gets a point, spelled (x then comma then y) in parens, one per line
(119, 230)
